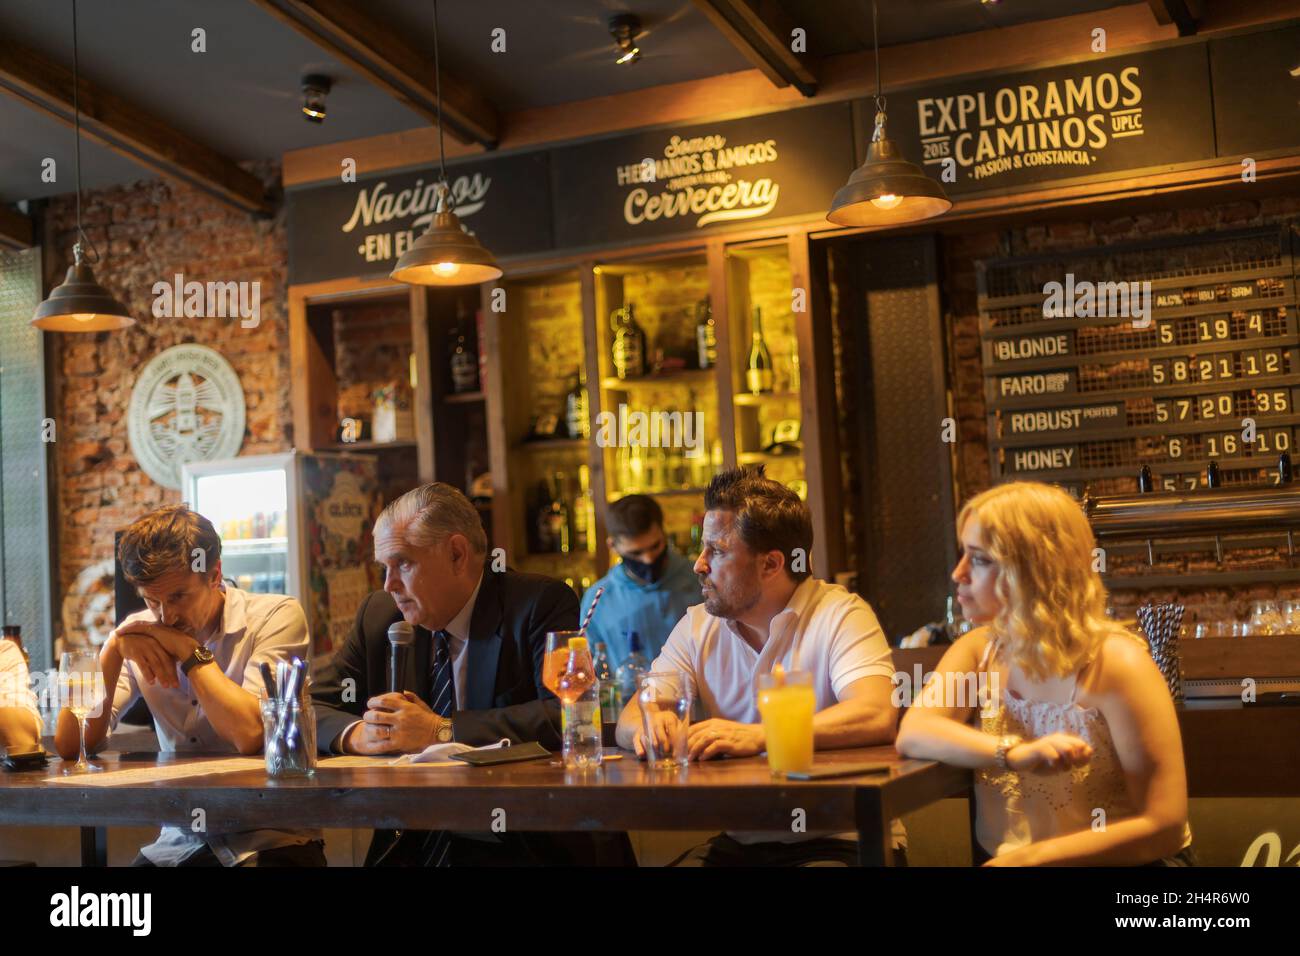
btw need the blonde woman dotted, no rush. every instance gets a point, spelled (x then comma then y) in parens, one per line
(1077, 754)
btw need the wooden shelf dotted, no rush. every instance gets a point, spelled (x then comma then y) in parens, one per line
(690, 376)
(368, 446)
(667, 493)
(762, 457)
(749, 398)
(464, 398)
(553, 444)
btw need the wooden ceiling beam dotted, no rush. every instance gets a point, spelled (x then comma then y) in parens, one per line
(1177, 12)
(764, 34)
(378, 52)
(126, 129)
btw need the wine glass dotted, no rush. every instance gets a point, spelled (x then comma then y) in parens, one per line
(81, 690)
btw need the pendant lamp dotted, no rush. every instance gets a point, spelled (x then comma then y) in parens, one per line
(80, 304)
(886, 190)
(446, 254)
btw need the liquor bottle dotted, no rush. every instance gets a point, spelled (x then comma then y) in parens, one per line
(758, 376)
(575, 407)
(579, 691)
(584, 514)
(633, 667)
(609, 698)
(543, 538)
(14, 632)
(706, 334)
(558, 518)
(464, 363)
(629, 343)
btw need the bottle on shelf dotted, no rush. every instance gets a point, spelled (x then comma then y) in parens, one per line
(629, 343)
(758, 374)
(543, 537)
(579, 692)
(464, 363)
(557, 518)
(584, 514)
(14, 632)
(633, 667)
(610, 705)
(636, 470)
(575, 406)
(706, 334)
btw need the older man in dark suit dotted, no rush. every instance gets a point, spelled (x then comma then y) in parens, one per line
(474, 675)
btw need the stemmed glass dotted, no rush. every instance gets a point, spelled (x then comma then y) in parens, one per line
(81, 690)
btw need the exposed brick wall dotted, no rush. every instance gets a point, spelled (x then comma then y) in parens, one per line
(372, 348)
(146, 232)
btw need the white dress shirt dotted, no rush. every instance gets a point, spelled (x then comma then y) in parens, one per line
(255, 628)
(824, 629)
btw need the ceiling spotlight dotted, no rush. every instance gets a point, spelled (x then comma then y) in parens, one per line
(314, 89)
(624, 28)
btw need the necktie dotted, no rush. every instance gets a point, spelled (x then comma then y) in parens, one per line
(443, 686)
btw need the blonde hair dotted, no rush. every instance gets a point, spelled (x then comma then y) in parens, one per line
(431, 513)
(1053, 618)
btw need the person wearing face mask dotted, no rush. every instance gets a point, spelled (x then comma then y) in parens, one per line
(649, 591)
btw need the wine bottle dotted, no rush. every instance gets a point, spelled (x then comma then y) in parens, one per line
(758, 376)
(629, 343)
(464, 363)
(706, 334)
(559, 518)
(544, 537)
(575, 407)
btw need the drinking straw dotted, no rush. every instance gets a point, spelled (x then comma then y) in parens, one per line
(591, 610)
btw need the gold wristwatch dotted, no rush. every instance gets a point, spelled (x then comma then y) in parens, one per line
(444, 731)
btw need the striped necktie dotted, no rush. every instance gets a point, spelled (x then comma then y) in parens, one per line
(442, 695)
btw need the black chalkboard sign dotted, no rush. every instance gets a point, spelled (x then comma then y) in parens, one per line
(1093, 118)
(361, 228)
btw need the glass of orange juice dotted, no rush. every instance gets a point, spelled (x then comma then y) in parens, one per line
(786, 703)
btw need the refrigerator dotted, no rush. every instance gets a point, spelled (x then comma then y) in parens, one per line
(296, 524)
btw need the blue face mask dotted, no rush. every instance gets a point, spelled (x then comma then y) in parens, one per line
(647, 571)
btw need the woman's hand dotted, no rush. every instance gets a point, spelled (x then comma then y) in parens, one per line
(1051, 754)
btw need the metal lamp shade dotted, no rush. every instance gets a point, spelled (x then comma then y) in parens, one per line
(81, 305)
(887, 173)
(446, 255)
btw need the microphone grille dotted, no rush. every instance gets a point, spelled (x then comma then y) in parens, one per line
(401, 632)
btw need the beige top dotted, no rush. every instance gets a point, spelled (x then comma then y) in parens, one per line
(1012, 809)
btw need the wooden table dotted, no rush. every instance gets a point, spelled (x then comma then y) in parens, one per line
(539, 795)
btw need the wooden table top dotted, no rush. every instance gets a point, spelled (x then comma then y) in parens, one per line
(735, 794)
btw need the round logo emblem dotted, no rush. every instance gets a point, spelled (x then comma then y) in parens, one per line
(187, 405)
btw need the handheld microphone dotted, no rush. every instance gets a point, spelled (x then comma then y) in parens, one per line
(400, 638)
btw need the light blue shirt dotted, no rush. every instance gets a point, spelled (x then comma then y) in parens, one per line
(652, 610)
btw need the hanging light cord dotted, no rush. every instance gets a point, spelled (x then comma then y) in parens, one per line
(879, 132)
(437, 85)
(76, 125)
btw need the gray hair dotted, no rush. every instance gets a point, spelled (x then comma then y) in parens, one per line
(431, 513)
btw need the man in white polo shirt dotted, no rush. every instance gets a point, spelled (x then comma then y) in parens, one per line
(762, 607)
(195, 656)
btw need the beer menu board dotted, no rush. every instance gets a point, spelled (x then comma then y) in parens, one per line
(1172, 355)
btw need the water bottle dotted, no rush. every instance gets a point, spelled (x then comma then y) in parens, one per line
(630, 671)
(610, 705)
(579, 691)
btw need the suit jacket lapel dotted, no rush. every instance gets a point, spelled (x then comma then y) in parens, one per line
(484, 643)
